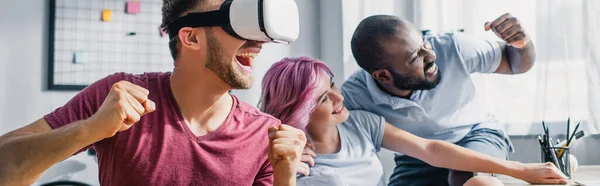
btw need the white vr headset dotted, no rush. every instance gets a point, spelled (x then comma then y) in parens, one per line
(255, 20)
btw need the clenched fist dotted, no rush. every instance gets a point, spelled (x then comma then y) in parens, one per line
(509, 29)
(285, 151)
(124, 105)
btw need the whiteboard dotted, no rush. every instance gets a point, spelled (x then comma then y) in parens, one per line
(83, 48)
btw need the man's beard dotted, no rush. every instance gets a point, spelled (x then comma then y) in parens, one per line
(221, 65)
(404, 82)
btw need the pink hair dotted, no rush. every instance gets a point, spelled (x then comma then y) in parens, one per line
(289, 89)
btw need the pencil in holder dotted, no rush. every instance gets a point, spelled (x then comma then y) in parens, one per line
(563, 162)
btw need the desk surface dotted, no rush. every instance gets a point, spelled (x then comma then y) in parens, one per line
(585, 175)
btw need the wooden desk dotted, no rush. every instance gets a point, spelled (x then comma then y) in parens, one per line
(589, 175)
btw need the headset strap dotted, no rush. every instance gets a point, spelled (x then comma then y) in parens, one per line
(199, 19)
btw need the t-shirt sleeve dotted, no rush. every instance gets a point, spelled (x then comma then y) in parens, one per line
(265, 176)
(478, 55)
(370, 125)
(350, 91)
(83, 105)
(348, 103)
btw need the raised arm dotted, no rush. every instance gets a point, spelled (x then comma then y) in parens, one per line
(447, 155)
(285, 150)
(518, 53)
(27, 152)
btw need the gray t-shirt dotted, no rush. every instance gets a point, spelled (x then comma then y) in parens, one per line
(356, 163)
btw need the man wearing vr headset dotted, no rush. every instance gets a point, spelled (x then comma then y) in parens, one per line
(422, 84)
(178, 128)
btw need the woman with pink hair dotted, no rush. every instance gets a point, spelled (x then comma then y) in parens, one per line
(300, 92)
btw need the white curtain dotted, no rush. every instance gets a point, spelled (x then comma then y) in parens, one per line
(354, 11)
(592, 56)
(564, 80)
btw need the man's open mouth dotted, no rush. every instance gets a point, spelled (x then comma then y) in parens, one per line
(430, 68)
(246, 58)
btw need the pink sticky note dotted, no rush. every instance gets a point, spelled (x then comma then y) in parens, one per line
(133, 7)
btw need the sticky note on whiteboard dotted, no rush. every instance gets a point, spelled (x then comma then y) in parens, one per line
(106, 15)
(133, 7)
(81, 57)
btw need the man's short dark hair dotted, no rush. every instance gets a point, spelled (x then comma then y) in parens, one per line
(171, 11)
(365, 44)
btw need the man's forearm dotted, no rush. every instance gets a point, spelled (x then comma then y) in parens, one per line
(26, 156)
(463, 159)
(521, 60)
(284, 174)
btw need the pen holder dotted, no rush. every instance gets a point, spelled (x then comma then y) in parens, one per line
(562, 156)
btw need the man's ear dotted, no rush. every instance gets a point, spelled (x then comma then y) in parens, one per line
(187, 36)
(382, 75)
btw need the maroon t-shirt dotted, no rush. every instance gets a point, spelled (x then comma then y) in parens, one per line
(160, 149)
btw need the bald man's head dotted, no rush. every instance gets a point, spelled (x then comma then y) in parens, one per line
(366, 45)
(394, 52)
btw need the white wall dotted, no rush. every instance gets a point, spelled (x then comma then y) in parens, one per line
(23, 75)
(331, 37)
(22, 65)
(23, 59)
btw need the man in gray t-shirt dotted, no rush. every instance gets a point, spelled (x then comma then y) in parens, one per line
(422, 84)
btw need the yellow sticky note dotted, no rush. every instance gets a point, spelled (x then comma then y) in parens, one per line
(106, 15)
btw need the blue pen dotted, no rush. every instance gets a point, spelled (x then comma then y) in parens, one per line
(571, 138)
